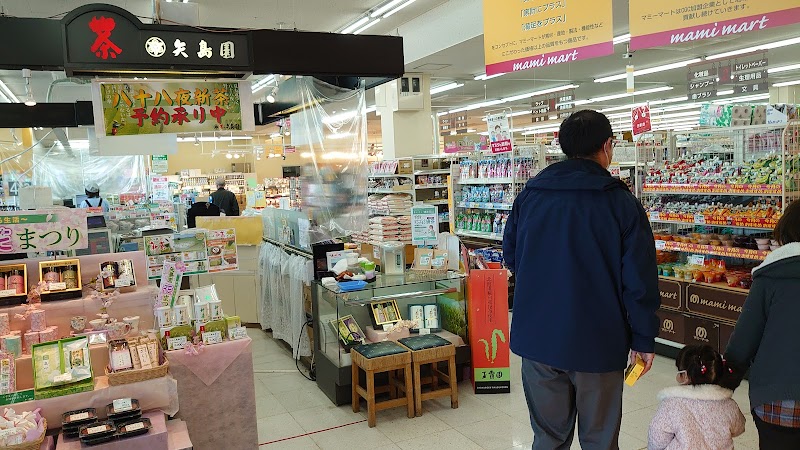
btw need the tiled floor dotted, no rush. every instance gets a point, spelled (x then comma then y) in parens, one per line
(294, 414)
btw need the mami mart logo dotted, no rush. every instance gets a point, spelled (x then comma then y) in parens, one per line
(701, 334)
(715, 30)
(668, 326)
(495, 334)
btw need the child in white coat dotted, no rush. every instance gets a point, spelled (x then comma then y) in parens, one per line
(699, 413)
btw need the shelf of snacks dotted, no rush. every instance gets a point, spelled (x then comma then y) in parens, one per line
(716, 189)
(714, 284)
(431, 186)
(713, 250)
(486, 205)
(445, 171)
(480, 234)
(750, 223)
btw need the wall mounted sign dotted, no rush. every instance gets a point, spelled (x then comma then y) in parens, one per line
(108, 37)
(154, 107)
(523, 35)
(43, 230)
(655, 24)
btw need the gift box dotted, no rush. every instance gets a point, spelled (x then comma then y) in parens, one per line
(38, 320)
(49, 334)
(30, 339)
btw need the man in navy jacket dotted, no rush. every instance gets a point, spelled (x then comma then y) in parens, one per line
(582, 251)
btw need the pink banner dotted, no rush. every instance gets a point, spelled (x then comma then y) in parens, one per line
(731, 27)
(550, 59)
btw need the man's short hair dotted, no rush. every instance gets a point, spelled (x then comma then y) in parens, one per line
(584, 133)
(220, 182)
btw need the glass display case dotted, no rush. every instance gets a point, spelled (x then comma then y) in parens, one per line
(355, 309)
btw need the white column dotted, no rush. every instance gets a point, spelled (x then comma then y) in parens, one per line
(406, 123)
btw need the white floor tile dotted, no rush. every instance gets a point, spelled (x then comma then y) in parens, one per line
(324, 417)
(353, 437)
(470, 410)
(497, 433)
(396, 425)
(301, 443)
(267, 406)
(444, 440)
(303, 398)
(278, 427)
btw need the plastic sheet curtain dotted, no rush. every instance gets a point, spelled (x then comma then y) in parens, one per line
(281, 298)
(68, 172)
(331, 131)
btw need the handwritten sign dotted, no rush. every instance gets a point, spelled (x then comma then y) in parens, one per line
(43, 230)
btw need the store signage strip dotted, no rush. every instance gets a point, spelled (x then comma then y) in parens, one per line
(43, 231)
(656, 24)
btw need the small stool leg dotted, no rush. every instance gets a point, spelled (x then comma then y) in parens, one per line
(371, 421)
(435, 375)
(410, 393)
(417, 389)
(392, 387)
(453, 383)
(356, 398)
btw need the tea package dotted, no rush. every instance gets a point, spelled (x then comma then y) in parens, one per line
(423, 258)
(76, 358)
(61, 362)
(119, 356)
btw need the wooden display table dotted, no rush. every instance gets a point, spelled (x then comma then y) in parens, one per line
(217, 392)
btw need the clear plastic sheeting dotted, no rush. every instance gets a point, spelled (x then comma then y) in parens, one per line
(281, 298)
(69, 172)
(331, 131)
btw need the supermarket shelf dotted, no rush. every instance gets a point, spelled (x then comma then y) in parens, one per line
(387, 191)
(432, 172)
(390, 175)
(396, 214)
(436, 202)
(430, 186)
(486, 181)
(480, 234)
(480, 205)
(721, 285)
(713, 250)
(750, 223)
(765, 190)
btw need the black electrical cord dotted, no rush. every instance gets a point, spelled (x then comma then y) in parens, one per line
(297, 360)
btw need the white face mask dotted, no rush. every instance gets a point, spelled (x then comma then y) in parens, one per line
(607, 158)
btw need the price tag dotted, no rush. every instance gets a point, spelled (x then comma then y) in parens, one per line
(237, 333)
(122, 405)
(81, 416)
(176, 343)
(212, 337)
(424, 331)
(697, 260)
(56, 286)
(97, 429)
(122, 282)
(8, 292)
(134, 426)
(699, 219)
(655, 215)
(661, 245)
(387, 327)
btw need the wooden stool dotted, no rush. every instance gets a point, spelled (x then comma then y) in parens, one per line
(432, 349)
(381, 357)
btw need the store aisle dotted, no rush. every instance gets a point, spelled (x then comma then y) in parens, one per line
(294, 414)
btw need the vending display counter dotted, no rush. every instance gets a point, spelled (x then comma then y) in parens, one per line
(217, 391)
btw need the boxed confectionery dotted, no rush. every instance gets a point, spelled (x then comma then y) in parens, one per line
(117, 274)
(62, 279)
(62, 367)
(13, 284)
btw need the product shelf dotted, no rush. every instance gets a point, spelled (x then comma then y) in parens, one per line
(487, 181)
(430, 186)
(390, 175)
(713, 250)
(443, 201)
(387, 191)
(486, 205)
(432, 172)
(749, 223)
(763, 190)
(720, 285)
(481, 235)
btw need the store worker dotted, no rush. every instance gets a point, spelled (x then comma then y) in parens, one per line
(766, 339)
(225, 199)
(582, 251)
(93, 199)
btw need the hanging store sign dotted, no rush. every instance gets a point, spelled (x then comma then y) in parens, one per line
(107, 37)
(461, 123)
(465, 143)
(558, 105)
(655, 24)
(446, 126)
(499, 133)
(523, 35)
(154, 107)
(640, 120)
(43, 230)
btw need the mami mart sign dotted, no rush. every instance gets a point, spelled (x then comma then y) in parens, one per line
(43, 230)
(185, 106)
(522, 35)
(655, 24)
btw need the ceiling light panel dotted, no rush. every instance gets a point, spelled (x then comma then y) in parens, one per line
(640, 72)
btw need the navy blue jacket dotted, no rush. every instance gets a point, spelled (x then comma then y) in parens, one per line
(582, 251)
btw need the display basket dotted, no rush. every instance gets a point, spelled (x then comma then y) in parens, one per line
(32, 445)
(137, 375)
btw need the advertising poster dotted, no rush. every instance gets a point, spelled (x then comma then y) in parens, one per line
(656, 24)
(188, 248)
(161, 190)
(424, 224)
(222, 254)
(43, 230)
(499, 133)
(488, 331)
(525, 35)
(185, 106)
(465, 143)
(640, 119)
(160, 164)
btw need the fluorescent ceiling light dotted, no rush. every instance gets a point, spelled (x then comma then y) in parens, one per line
(654, 102)
(756, 48)
(7, 93)
(724, 93)
(390, 13)
(542, 92)
(640, 72)
(445, 87)
(354, 26)
(514, 114)
(275, 135)
(623, 95)
(442, 113)
(369, 25)
(212, 138)
(745, 99)
(485, 77)
(654, 111)
(622, 39)
(262, 83)
(783, 68)
(786, 83)
(471, 130)
(338, 118)
(385, 8)
(541, 131)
